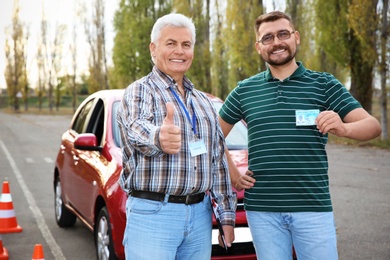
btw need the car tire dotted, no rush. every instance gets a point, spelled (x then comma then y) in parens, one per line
(64, 217)
(103, 237)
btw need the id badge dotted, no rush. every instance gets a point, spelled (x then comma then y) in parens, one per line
(306, 117)
(197, 147)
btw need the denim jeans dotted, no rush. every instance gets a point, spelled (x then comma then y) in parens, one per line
(313, 235)
(167, 231)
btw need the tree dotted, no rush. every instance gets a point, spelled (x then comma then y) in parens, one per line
(239, 38)
(55, 66)
(363, 51)
(73, 50)
(133, 23)
(42, 60)
(199, 11)
(49, 61)
(302, 16)
(351, 43)
(25, 71)
(15, 73)
(94, 27)
(383, 67)
(219, 64)
(41, 76)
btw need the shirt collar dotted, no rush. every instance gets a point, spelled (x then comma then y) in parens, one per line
(297, 73)
(168, 81)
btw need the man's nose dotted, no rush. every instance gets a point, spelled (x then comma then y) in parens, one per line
(179, 49)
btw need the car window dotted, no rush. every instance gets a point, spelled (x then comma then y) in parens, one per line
(80, 123)
(238, 136)
(115, 127)
(96, 122)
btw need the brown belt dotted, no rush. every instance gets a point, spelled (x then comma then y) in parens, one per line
(188, 200)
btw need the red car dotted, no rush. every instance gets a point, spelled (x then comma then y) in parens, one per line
(86, 175)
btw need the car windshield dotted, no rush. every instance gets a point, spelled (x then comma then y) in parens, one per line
(236, 140)
(238, 136)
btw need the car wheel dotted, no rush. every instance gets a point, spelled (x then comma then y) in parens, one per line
(64, 217)
(103, 237)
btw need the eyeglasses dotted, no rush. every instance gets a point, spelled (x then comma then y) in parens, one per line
(282, 35)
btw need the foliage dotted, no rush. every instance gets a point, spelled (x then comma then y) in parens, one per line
(239, 37)
(94, 27)
(302, 14)
(199, 11)
(133, 23)
(364, 54)
(15, 72)
(337, 36)
(223, 54)
(219, 64)
(351, 43)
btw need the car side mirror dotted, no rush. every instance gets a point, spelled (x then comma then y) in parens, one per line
(87, 142)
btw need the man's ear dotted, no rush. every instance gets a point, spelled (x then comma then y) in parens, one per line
(297, 37)
(152, 48)
(257, 45)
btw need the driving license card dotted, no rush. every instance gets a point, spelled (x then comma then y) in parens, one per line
(197, 147)
(306, 117)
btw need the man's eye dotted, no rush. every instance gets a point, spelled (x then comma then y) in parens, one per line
(283, 33)
(267, 38)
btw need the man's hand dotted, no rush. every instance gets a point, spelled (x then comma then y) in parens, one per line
(245, 181)
(229, 236)
(330, 122)
(170, 134)
(357, 124)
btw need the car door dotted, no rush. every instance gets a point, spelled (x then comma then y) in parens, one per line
(90, 165)
(68, 165)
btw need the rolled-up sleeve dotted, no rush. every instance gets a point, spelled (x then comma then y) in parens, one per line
(222, 189)
(136, 120)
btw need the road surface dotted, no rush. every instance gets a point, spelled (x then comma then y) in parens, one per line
(359, 181)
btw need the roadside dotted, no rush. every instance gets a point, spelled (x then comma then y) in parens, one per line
(359, 184)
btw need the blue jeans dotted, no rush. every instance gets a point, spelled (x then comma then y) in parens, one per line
(167, 231)
(313, 235)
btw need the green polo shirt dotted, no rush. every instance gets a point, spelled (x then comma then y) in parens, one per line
(289, 161)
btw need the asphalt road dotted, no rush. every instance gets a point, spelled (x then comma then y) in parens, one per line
(359, 180)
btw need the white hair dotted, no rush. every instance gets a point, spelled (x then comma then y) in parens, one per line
(175, 20)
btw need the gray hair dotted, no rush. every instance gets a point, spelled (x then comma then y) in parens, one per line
(175, 20)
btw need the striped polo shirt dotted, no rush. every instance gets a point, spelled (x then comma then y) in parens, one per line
(289, 162)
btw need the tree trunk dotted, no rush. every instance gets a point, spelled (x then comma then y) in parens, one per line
(361, 77)
(383, 67)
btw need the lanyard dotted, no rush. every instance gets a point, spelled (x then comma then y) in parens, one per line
(193, 121)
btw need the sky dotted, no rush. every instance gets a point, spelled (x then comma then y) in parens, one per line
(60, 11)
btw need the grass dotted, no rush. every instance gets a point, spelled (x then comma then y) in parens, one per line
(377, 142)
(43, 111)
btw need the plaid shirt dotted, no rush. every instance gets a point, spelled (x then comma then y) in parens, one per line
(146, 167)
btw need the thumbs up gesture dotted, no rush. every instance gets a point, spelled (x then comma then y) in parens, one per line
(170, 134)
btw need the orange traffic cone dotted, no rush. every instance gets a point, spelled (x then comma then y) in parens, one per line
(3, 251)
(38, 253)
(8, 222)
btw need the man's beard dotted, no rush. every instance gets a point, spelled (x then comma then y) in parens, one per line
(280, 62)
